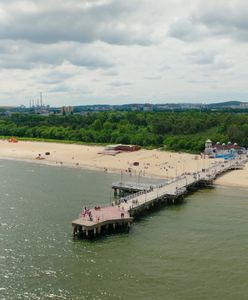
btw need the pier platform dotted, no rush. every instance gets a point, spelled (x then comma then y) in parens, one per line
(94, 221)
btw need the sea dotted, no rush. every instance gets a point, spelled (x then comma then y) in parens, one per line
(196, 250)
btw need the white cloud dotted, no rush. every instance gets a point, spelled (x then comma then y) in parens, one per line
(118, 51)
(26, 55)
(68, 20)
(221, 18)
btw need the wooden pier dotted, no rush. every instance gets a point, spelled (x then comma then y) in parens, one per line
(143, 197)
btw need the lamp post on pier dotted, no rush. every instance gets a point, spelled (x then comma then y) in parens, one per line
(121, 176)
(139, 176)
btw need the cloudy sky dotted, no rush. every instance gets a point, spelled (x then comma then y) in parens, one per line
(123, 51)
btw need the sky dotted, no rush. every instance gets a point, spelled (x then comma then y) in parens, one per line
(79, 52)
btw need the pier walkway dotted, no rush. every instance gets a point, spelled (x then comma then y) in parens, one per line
(146, 196)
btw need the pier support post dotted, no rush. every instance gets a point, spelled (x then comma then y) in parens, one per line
(74, 230)
(99, 229)
(94, 231)
(114, 226)
(87, 233)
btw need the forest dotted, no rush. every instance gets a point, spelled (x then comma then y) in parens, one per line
(177, 131)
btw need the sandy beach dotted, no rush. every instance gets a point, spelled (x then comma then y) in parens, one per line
(152, 163)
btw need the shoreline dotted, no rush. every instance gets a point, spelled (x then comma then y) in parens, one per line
(155, 164)
(80, 167)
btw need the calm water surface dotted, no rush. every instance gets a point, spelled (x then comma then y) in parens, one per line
(198, 250)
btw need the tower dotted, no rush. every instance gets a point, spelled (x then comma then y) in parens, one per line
(208, 147)
(41, 104)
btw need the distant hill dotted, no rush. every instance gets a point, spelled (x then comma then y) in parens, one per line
(227, 104)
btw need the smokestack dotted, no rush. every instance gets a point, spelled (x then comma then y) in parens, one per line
(41, 104)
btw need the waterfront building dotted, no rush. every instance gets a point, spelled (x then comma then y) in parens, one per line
(223, 150)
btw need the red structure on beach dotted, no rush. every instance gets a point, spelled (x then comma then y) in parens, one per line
(121, 147)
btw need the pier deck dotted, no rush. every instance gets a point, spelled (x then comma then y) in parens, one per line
(99, 218)
(133, 204)
(122, 187)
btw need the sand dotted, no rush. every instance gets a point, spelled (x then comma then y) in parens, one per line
(237, 178)
(152, 163)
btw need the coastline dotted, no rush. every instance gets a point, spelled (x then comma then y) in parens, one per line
(152, 163)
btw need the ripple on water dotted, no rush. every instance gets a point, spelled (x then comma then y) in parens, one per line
(30, 171)
(51, 273)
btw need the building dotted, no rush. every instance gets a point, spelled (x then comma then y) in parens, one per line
(148, 107)
(121, 147)
(208, 148)
(66, 110)
(223, 150)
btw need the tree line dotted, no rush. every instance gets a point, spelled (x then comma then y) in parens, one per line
(178, 131)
